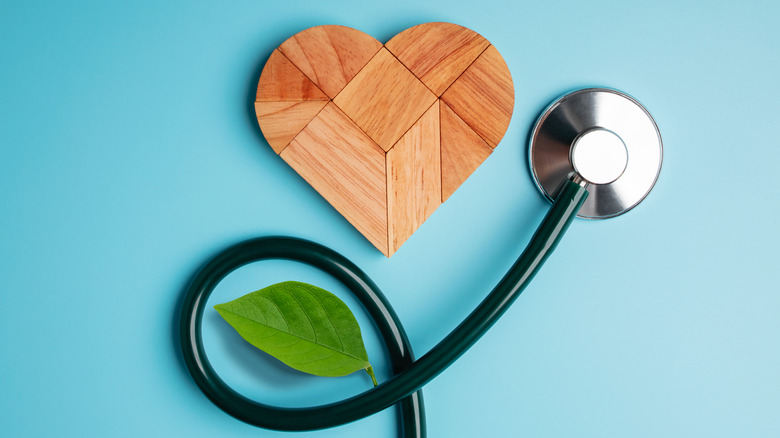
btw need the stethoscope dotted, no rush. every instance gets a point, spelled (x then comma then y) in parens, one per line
(595, 153)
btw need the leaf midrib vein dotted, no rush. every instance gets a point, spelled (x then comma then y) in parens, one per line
(297, 336)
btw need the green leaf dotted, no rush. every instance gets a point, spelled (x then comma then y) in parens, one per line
(306, 327)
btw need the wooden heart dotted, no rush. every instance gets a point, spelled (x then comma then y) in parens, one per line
(385, 133)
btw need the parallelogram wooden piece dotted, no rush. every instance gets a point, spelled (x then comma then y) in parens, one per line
(413, 178)
(282, 121)
(483, 96)
(437, 53)
(384, 99)
(462, 151)
(330, 55)
(347, 168)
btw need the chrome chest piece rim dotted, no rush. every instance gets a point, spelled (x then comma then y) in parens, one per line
(604, 137)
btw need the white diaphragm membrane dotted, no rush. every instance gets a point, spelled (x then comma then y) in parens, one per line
(599, 156)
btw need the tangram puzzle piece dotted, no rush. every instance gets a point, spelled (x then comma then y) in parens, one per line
(385, 133)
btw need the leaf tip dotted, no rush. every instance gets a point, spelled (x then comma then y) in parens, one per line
(220, 308)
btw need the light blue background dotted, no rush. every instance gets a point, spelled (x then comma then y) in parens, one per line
(129, 155)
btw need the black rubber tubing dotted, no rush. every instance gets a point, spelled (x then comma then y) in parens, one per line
(408, 375)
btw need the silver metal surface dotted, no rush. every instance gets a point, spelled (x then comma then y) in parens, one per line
(597, 110)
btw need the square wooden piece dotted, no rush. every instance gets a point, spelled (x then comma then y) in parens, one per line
(385, 99)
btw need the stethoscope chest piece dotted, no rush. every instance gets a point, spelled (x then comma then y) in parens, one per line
(604, 138)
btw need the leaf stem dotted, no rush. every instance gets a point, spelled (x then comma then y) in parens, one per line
(370, 371)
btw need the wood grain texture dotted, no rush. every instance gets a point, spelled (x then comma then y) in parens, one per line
(370, 133)
(347, 168)
(462, 151)
(413, 178)
(483, 96)
(281, 80)
(384, 99)
(330, 55)
(437, 53)
(282, 121)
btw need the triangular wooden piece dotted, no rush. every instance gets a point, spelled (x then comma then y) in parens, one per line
(347, 168)
(281, 80)
(485, 88)
(413, 178)
(282, 121)
(437, 53)
(330, 55)
(462, 151)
